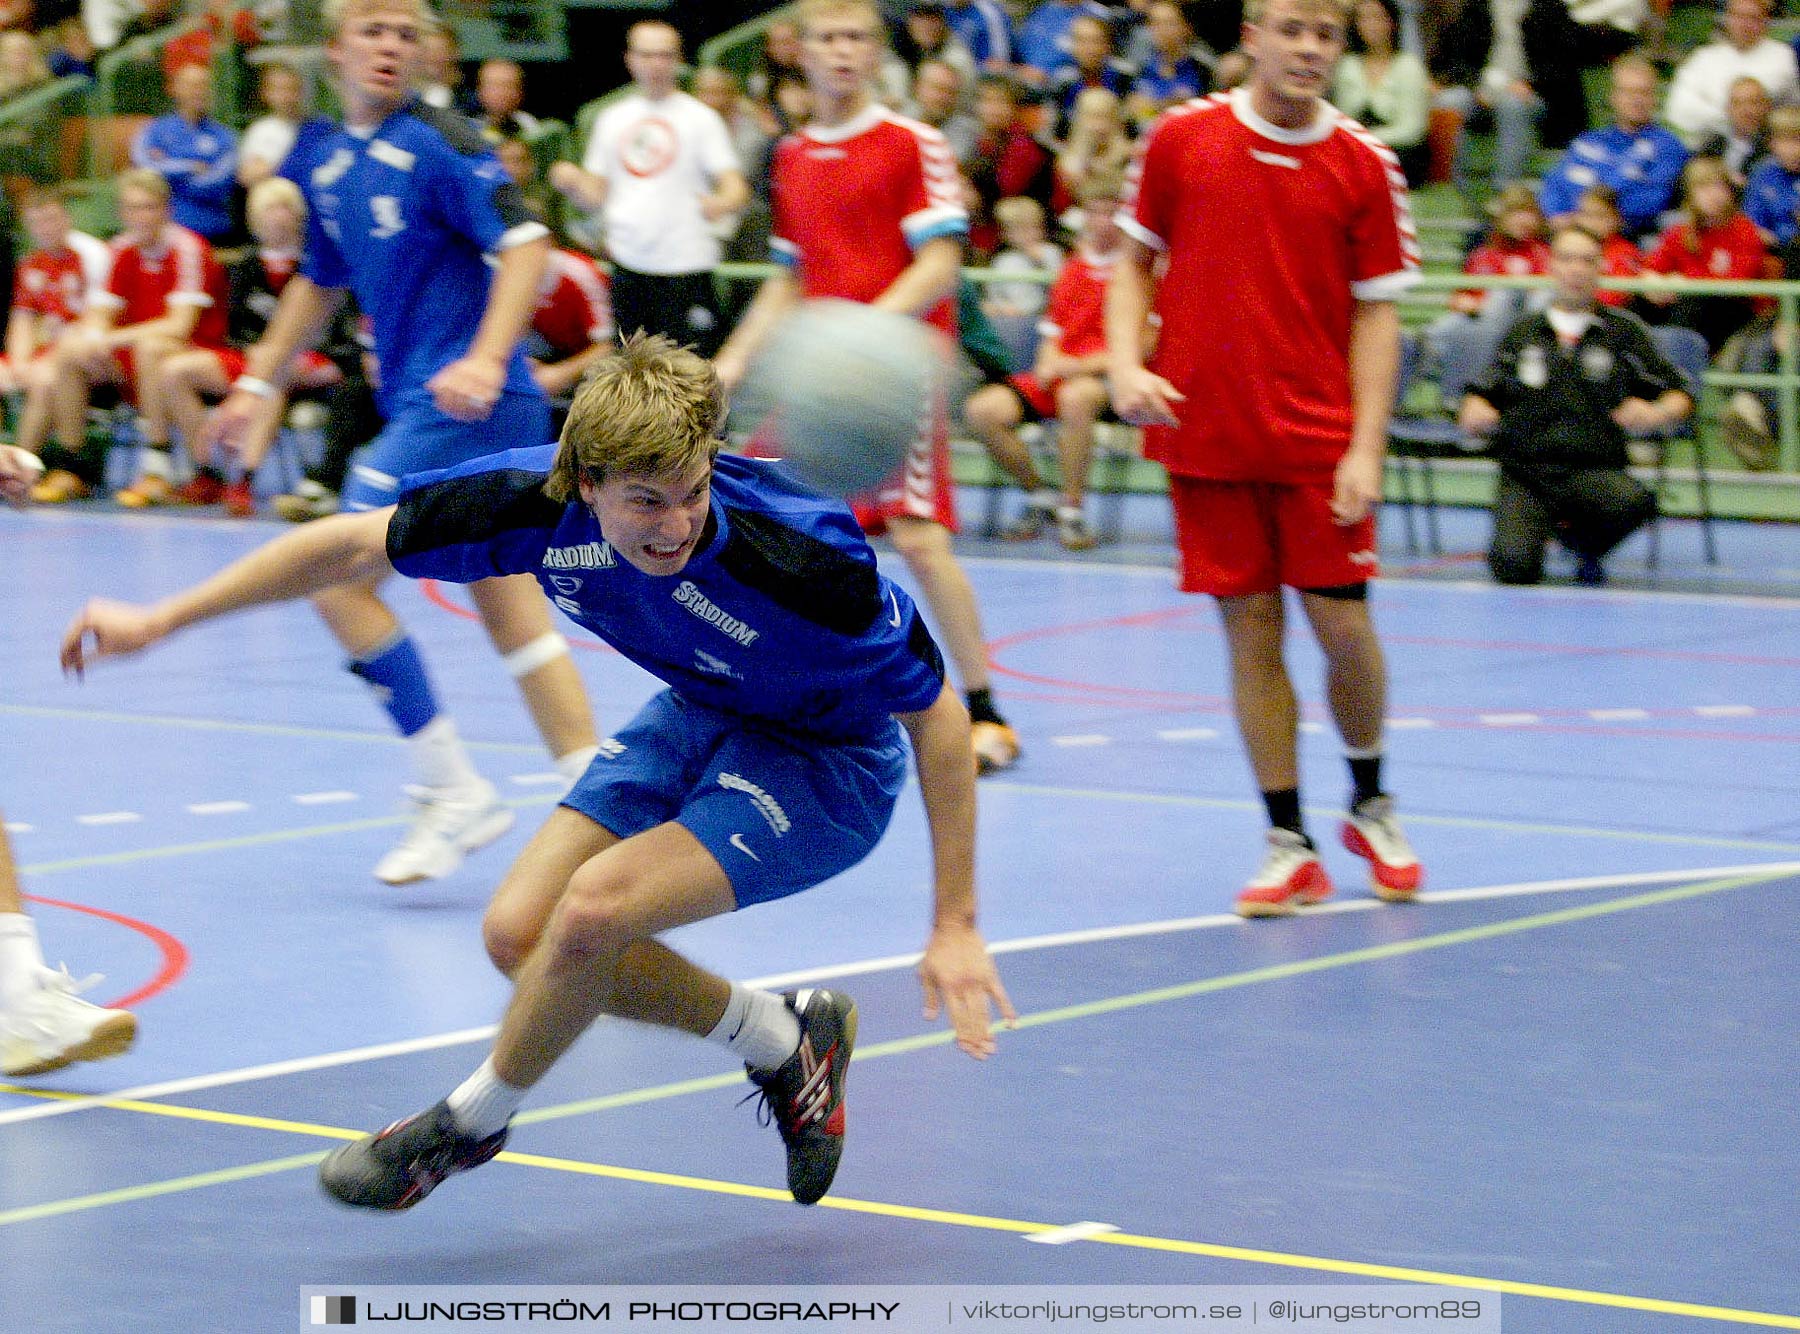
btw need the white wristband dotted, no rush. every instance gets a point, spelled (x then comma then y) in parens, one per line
(251, 384)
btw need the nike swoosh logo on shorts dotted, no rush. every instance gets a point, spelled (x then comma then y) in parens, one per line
(894, 620)
(737, 841)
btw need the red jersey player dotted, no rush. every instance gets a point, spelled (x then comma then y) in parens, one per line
(1064, 383)
(165, 291)
(1286, 236)
(867, 208)
(572, 325)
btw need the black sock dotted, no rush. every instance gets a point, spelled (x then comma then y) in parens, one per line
(1284, 810)
(1365, 778)
(981, 707)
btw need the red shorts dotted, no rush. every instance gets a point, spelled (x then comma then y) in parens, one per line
(923, 489)
(1236, 538)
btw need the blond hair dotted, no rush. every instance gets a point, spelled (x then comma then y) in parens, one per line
(1015, 209)
(809, 12)
(1784, 121)
(274, 190)
(337, 13)
(651, 409)
(1344, 9)
(145, 180)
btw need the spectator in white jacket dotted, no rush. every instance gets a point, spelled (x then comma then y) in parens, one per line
(1696, 102)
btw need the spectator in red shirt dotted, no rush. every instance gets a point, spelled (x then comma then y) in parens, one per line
(1715, 242)
(1597, 214)
(1515, 247)
(1007, 161)
(196, 47)
(50, 291)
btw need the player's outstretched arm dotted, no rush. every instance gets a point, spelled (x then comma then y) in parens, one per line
(957, 974)
(326, 552)
(779, 294)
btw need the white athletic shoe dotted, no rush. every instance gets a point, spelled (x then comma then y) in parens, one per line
(53, 1027)
(447, 823)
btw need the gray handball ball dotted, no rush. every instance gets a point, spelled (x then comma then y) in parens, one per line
(848, 389)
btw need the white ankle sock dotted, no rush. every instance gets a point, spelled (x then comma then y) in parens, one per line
(439, 757)
(21, 959)
(759, 1027)
(573, 765)
(483, 1103)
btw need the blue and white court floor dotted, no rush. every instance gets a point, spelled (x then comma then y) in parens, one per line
(1566, 1075)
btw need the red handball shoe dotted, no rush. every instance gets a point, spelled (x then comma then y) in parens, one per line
(1290, 877)
(1373, 833)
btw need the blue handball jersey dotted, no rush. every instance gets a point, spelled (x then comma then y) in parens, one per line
(780, 616)
(407, 218)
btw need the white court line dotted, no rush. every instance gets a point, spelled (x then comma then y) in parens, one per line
(1082, 739)
(218, 807)
(323, 798)
(1091, 935)
(109, 817)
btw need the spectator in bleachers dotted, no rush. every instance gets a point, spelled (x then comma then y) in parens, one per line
(1514, 248)
(28, 144)
(661, 166)
(1715, 241)
(751, 141)
(1386, 88)
(51, 287)
(985, 28)
(164, 290)
(69, 50)
(194, 153)
(572, 324)
(1066, 382)
(217, 21)
(937, 98)
(1567, 387)
(192, 379)
(1027, 250)
(269, 139)
(1092, 64)
(1232, 71)
(1702, 82)
(1597, 213)
(22, 64)
(791, 105)
(1008, 160)
(1505, 91)
(1745, 139)
(779, 60)
(440, 71)
(1097, 141)
(927, 35)
(1046, 37)
(1175, 66)
(521, 164)
(1772, 197)
(500, 94)
(129, 20)
(1635, 156)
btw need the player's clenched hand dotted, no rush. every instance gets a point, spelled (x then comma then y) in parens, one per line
(18, 470)
(107, 629)
(468, 389)
(229, 423)
(959, 978)
(1144, 398)
(1356, 487)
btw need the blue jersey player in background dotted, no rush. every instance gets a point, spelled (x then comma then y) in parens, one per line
(410, 210)
(771, 763)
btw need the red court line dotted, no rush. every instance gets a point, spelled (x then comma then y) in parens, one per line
(174, 953)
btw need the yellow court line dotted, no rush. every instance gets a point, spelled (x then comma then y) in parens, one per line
(1159, 995)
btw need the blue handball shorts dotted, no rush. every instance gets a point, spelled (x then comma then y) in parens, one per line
(419, 438)
(778, 814)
